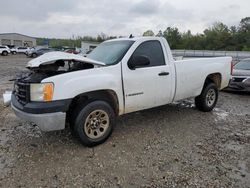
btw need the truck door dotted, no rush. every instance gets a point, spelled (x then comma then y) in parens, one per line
(150, 85)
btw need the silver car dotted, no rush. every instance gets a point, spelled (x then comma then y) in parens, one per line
(241, 76)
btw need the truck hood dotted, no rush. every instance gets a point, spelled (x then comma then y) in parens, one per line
(238, 72)
(51, 57)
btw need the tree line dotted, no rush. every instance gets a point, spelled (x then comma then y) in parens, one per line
(217, 37)
(74, 41)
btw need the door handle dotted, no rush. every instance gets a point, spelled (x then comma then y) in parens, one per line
(163, 74)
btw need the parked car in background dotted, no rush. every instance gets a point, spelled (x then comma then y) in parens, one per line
(31, 50)
(85, 54)
(12, 48)
(37, 52)
(22, 50)
(72, 51)
(241, 76)
(4, 50)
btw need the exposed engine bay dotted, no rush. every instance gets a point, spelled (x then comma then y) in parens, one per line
(48, 65)
(54, 63)
(37, 74)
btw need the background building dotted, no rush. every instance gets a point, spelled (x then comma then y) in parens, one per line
(17, 39)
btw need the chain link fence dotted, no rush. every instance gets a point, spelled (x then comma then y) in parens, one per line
(237, 55)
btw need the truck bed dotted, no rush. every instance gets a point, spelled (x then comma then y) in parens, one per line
(191, 73)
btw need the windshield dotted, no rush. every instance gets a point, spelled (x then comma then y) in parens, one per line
(110, 52)
(243, 65)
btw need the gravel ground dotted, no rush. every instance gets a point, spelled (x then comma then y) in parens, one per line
(170, 146)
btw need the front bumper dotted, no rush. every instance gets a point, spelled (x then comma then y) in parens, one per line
(46, 122)
(243, 85)
(49, 116)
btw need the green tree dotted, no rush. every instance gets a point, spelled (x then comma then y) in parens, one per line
(159, 34)
(148, 33)
(217, 37)
(244, 34)
(173, 36)
(245, 24)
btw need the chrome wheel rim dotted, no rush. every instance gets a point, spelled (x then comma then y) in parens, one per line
(96, 124)
(210, 97)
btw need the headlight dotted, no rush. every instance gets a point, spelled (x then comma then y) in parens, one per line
(41, 92)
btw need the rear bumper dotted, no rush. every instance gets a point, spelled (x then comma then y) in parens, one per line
(46, 122)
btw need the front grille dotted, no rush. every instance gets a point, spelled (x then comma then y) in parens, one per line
(235, 79)
(22, 91)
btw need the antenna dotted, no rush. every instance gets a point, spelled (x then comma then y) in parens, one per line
(131, 36)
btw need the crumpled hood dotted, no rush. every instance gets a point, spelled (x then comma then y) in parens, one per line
(51, 57)
(238, 72)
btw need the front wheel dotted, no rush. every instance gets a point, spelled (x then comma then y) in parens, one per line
(94, 122)
(5, 53)
(207, 100)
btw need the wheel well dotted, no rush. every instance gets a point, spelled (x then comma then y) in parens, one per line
(214, 78)
(108, 96)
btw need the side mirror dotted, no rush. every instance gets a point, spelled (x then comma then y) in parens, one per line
(138, 61)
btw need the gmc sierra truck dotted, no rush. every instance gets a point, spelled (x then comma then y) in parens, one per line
(120, 76)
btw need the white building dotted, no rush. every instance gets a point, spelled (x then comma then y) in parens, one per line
(17, 39)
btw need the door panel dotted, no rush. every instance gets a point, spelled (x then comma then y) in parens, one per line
(148, 86)
(144, 88)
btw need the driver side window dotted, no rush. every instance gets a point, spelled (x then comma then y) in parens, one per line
(153, 51)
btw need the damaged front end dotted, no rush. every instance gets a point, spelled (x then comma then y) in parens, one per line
(29, 98)
(48, 65)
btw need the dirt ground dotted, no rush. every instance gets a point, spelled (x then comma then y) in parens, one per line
(170, 146)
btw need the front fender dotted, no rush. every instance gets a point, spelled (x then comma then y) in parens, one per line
(70, 85)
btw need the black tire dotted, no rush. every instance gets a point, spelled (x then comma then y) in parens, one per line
(4, 53)
(207, 100)
(88, 132)
(34, 55)
(14, 53)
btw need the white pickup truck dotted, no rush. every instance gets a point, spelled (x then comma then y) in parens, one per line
(118, 77)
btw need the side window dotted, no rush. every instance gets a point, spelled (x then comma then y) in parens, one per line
(152, 50)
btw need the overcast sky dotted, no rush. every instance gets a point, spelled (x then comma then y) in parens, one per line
(63, 18)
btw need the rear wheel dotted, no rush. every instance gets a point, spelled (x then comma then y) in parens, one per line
(34, 55)
(93, 123)
(207, 100)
